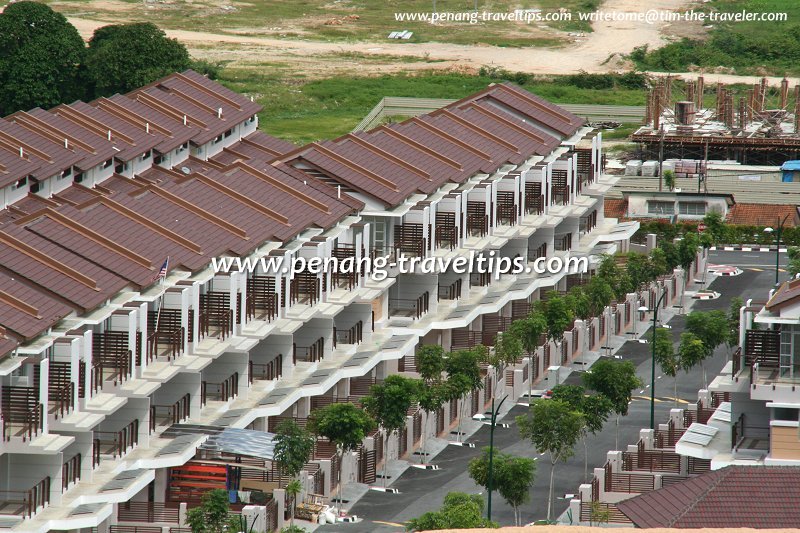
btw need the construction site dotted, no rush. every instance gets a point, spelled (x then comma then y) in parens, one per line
(755, 125)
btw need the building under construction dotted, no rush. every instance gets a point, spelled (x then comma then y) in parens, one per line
(756, 126)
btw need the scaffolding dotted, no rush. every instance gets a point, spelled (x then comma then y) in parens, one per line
(757, 125)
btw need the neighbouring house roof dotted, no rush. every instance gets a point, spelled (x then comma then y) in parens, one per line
(735, 496)
(615, 207)
(786, 294)
(762, 214)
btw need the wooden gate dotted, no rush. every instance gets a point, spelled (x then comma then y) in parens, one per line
(366, 466)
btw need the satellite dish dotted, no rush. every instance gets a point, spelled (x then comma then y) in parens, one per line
(186, 170)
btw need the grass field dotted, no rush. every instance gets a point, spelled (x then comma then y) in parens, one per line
(338, 20)
(750, 47)
(303, 110)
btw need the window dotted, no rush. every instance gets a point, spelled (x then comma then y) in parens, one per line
(692, 208)
(122, 167)
(67, 173)
(228, 133)
(183, 147)
(218, 139)
(108, 163)
(20, 183)
(660, 208)
(251, 119)
(158, 159)
(35, 187)
(145, 156)
(79, 177)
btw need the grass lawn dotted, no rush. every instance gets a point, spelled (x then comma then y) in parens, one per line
(750, 47)
(341, 20)
(303, 110)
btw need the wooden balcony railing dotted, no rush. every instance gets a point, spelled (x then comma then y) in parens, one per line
(537, 253)
(352, 335)
(25, 503)
(268, 371)
(148, 512)
(446, 230)
(477, 219)
(344, 278)
(409, 240)
(560, 190)
(70, 472)
(669, 437)
(304, 288)
(450, 292)
(506, 208)
(95, 379)
(216, 315)
(263, 296)
(117, 443)
(309, 354)
(563, 243)
(652, 461)
(221, 391)
(22, 413)
(480, 279)
(170, 414)
(407, 307)
(111, 350)
(534, 199)
(62, 399)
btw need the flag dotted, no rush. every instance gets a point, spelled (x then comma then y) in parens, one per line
(163, 272)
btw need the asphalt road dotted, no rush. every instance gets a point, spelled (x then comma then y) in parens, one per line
(422, 491)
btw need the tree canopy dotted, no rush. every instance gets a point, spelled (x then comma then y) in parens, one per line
(344, 424)
(40, 58)
(459, 511)
(553, 427)
(512, 477)
(711, 327)
(615, 380)
(122, 57)
(293, 447)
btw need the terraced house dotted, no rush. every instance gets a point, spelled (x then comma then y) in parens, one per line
(124, 396)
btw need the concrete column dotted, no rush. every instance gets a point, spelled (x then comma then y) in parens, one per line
(280, 498)
(161, 479)
(184, 507)
(651, 242)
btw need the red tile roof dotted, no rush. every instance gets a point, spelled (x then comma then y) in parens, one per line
(615, 207)
(732, 497)
(762, 214)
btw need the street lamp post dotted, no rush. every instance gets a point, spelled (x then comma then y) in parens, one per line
(491, 454)
(653, 361)
(777, 244)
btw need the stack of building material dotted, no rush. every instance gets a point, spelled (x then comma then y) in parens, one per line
(633, 167)
(650, 168)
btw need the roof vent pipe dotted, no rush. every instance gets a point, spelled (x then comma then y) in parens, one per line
(109, 135)
(184, 120)
(66, 143)
(147, 127)
(21, 153)
(338, 191)
(219, 112)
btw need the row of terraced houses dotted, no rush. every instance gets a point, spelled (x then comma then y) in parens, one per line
(124, 397)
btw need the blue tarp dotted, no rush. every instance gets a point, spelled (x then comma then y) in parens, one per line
(791, 165)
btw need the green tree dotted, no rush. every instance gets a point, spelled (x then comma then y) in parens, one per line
(512, 477)
(122, 57)
(691, 351)
(293, 490)
(639, 269)
(600, 293)
(578, 301)
(431, 395)
(669, 179)
(733, 321)
(388, 405)
(715, 227)
(459, 511)
(213, 514)
(595, 409)
(553, 427)
(529, 331)
(293, 447)
(712, 328)
(687, 250)
(658, 262)
(40, 58)
(793, 267)
(557, 314)
(344, 425)
(615, 380)
(667, 358)
(464, 377)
